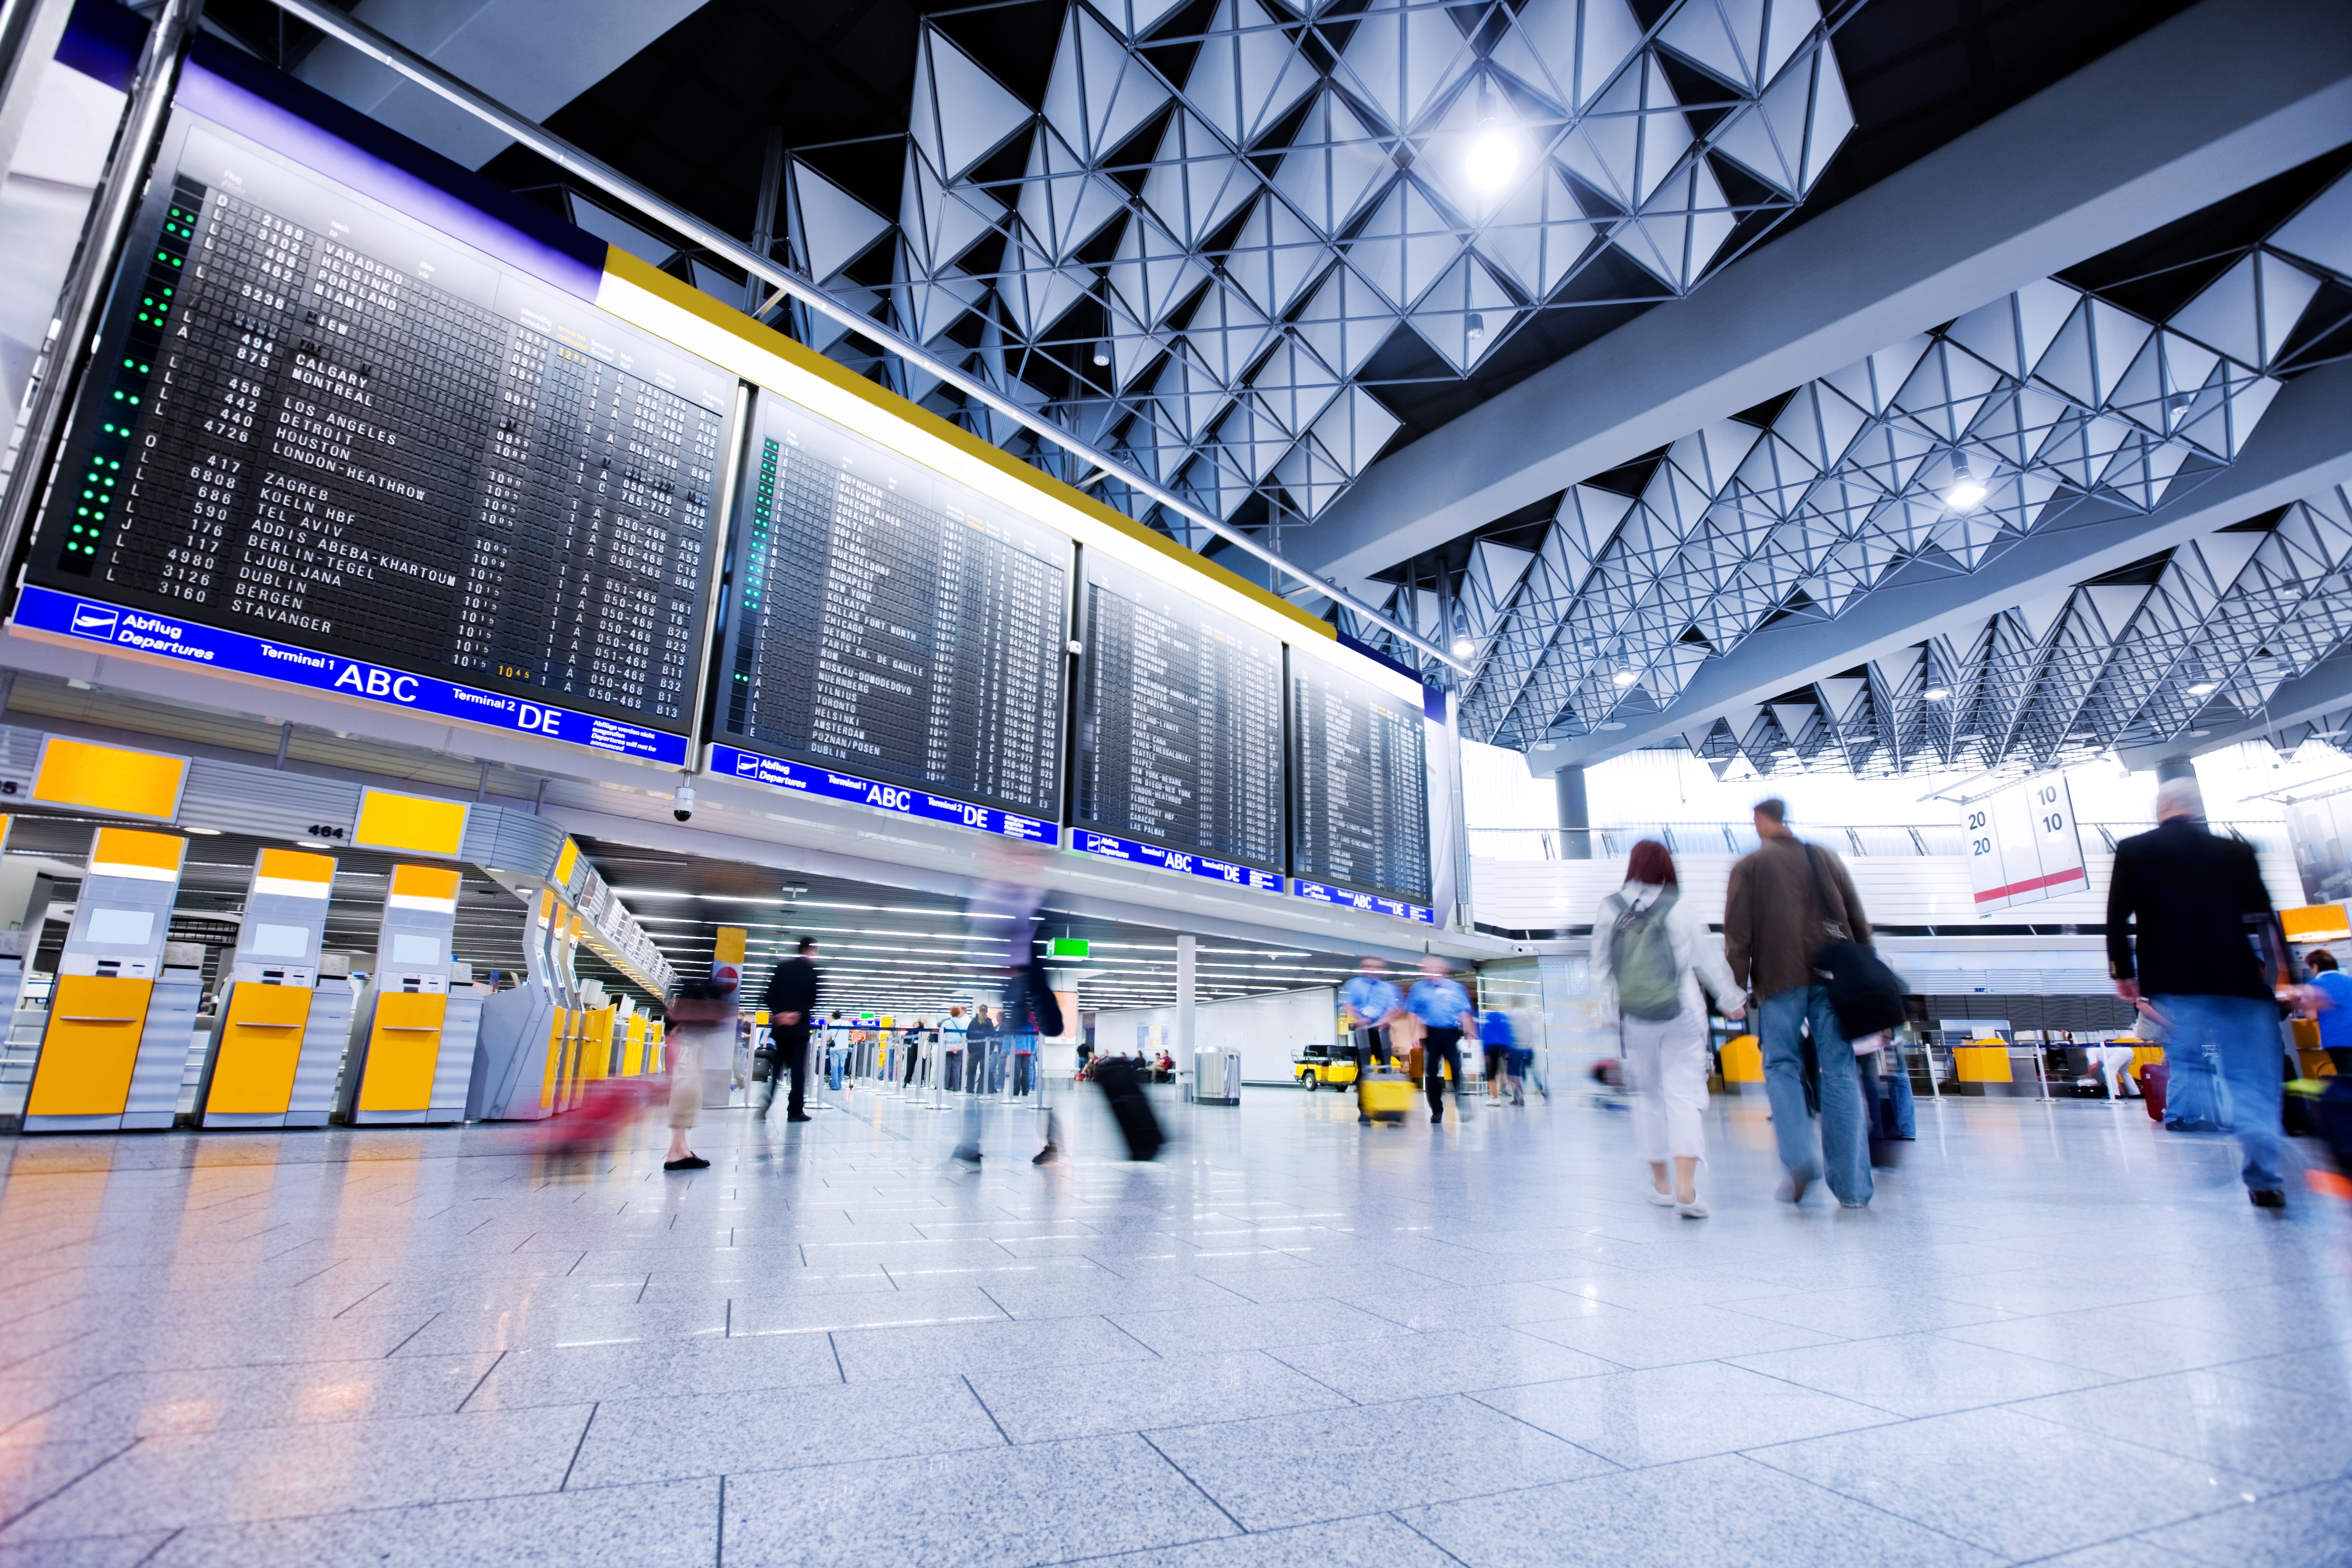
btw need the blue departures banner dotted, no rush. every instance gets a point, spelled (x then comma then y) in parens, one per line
(142, 631)
(800, 778)
(1372, 903)
(1128, 849)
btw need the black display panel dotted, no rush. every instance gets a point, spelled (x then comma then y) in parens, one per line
(318, 419)
(885, 621)
(1180, 720)
(1359, 784)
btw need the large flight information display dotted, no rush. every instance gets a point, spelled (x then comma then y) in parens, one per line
(1359, 784)
(1180, 721)
(322, 422)
(884, 621)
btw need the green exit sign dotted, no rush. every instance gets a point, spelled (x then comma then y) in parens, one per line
(1067, 947)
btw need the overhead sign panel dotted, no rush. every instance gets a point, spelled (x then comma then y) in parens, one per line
(345, 431)
(1180, 725)
(2024, 845)
(885, 621)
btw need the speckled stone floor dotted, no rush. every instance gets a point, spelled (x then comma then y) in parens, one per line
(2058, 1334)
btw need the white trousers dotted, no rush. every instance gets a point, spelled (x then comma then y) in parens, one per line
(2108, 1063)
(1666, 1066)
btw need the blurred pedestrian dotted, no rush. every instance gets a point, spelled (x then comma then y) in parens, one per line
(791, 1002)
(953, 1029)
(1788, 901)
(698, 1046)
(2331, 996)
(1502, 1057)
(1443, 1008)
(1652, 956)
(2207, 964)
(1369, 1003)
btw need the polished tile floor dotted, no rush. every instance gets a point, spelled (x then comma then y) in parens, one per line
(2058, 1335)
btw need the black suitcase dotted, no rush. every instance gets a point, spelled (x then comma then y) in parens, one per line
(1122, 1086)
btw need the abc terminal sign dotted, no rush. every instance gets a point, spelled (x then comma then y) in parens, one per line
(71, 618)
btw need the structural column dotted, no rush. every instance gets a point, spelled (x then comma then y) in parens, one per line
(1575, 816)
(1183, 1052)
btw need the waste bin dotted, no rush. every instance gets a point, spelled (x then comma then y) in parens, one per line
(1217, 1076)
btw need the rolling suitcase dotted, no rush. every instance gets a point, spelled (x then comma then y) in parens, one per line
(1386, 1094)
(1122, 1087)
(2152, 1077)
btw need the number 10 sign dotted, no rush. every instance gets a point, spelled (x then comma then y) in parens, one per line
(2022, 845)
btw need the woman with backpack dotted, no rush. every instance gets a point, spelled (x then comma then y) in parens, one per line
(1651, 955)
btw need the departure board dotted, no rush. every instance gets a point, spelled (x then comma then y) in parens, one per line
(320, 420)
(1359, 784)
(884, 621)
(1180, 721)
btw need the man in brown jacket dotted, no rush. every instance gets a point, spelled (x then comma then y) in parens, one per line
(1777, 915)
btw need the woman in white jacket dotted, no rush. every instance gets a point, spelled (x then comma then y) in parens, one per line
(1651, 954)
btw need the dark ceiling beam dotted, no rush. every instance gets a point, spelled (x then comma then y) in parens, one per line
(2302, 445)
(2218, 99)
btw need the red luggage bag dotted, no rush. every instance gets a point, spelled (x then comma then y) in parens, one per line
(2151, 1089)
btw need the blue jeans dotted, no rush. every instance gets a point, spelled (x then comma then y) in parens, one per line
(1841, 1137)
(1885, 1070)
(2243, 1032)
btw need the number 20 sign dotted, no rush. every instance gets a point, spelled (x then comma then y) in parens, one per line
(2022, 844)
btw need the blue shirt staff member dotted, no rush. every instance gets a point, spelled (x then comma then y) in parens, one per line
(1370, 1003)
(1443, 1007)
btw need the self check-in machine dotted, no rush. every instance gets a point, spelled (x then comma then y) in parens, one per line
(280, 1042)
(413, 1041)
(120, 1018)
(522, 1032)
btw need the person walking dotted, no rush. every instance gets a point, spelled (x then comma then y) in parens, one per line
(1369, 1003)
(791, 1002)
(698, 1048)
(2331, 996)
(2206, 964)
(1443, 1008)
(1502, 1056)
(1652, 957)
(1787, 902)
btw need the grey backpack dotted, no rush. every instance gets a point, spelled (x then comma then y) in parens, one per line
(1641, 954)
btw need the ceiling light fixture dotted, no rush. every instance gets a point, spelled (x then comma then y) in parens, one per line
(1624, 678)
(2203, 688)
(1937, 693)
(1494, 155)
(1464, 648)
(1102, 351)
(1967, 488)
(1477, 327)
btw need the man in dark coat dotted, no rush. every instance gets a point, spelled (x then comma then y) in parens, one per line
(792, 1003)
(2205, 970)
(1779, 914)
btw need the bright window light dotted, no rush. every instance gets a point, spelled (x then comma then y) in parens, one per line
(1492, 159)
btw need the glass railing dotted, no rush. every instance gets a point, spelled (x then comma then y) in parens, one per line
(1912, 840)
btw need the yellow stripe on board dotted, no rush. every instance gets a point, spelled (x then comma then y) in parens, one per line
(133, 852)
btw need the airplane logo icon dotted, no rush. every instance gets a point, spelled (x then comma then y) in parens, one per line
(96, 621)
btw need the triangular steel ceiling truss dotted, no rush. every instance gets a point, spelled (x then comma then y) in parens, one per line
(1196, 270)
(2039, 399)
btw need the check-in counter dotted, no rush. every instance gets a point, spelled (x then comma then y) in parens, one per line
(411, 1056)
(121, 1020)
(279, 1042)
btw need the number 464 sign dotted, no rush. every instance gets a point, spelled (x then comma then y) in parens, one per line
(2022, 844)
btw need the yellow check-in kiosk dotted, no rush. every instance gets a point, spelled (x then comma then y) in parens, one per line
(284, 1024)
(411, 1048)
(632, 1040)
(121, 1020)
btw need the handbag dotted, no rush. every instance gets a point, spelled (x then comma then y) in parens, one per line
(1866, 995)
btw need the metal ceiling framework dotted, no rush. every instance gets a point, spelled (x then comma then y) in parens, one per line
(1191, 248)
(2039, 401)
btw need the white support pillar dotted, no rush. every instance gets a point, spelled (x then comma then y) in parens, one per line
(1183, 1051)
